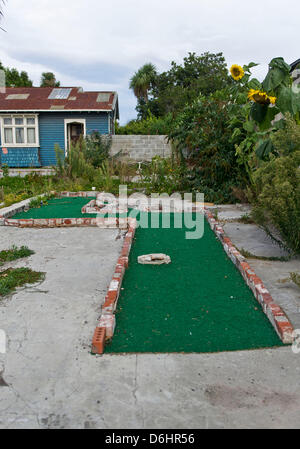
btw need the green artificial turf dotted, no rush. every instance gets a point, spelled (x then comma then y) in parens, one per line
(199, 303)
(59, 208)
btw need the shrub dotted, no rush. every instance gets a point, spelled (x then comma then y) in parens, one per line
(295, 277)
(150, 126)
(96, 149)
(202, 135)
(277, 202)
(75, 164)
(162, 176)
(287, 140)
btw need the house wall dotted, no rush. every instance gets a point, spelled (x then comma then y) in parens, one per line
(51, 132)
(20, 157)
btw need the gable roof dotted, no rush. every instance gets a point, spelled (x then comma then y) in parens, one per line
(61, 99)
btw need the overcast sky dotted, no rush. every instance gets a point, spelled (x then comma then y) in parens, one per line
(99, 44)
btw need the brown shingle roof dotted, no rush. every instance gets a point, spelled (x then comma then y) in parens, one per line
(36, 99)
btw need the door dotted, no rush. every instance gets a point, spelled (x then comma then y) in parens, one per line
(75, 131)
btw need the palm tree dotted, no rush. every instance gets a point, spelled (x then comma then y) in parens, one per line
(143, 80)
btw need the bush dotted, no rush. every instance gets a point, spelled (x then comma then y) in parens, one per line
(277, 202)
(202, 135)
(287, 140)
(96, 149)
(150, 126)
(162, 176)
(75, 164)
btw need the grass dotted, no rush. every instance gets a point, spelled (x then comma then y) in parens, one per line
(249, 255)
(246, 219)
(13, 278)
(15, 253)
(295, 277)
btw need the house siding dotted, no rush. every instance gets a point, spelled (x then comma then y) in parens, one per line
(21, 157)
(51, 132)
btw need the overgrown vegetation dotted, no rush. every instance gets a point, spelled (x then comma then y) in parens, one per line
(249, 255)
(295, 277)
(14, 278)
(149, 126)
(277, 198)
(14, 253)
(234, 138)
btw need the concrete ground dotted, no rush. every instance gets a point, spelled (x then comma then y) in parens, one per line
(49, 379)
(275, 274)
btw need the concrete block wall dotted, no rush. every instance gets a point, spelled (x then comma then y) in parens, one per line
(140, 148)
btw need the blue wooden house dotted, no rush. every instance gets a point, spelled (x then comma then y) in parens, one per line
(34, 119)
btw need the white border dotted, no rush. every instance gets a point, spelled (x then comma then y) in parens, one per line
(68, 121)
(21, 145)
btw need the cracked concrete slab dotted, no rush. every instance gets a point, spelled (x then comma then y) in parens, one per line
(231, 212)
(275, 274)
(50, 380)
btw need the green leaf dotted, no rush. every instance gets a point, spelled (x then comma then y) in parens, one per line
(295, 102)
(264, 149)
(285, 101)
(254, 84)
(259, 112)
(267, 123)
(279, 73)
(280, 64)
(250, 66)
(280, 124)
(273, 80)
(249, 126)
(236, 133)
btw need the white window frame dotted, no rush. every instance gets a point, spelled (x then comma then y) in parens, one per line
(68, 121)
(13, 126)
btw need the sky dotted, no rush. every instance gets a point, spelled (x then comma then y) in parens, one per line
(98, 45)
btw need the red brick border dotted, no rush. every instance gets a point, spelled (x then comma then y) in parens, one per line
(107, 322)
(276, 315)
(100, 222)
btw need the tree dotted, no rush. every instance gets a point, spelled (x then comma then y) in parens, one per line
(142, 81)
(49, 80)
(180, 85)
(16, 79)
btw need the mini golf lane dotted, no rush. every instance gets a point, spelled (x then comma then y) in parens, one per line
(199, 303)
(60, 208)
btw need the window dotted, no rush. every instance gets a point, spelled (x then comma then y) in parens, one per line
(20, 130)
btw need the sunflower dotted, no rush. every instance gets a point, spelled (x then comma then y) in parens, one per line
(272, 100)
(237, 72)
(261, 97)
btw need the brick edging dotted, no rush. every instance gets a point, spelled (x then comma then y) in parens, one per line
(100, 222)
(107, 322)
(276, 315)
